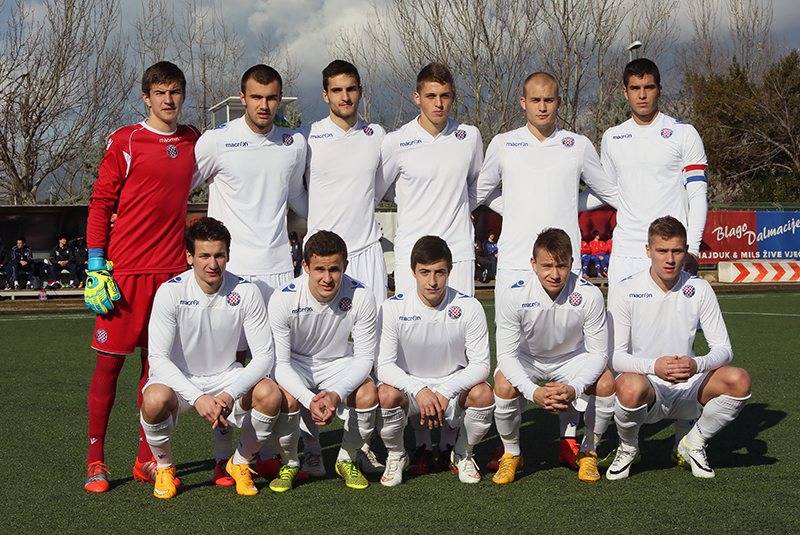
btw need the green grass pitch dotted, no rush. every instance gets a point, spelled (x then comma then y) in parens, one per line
(47, 365)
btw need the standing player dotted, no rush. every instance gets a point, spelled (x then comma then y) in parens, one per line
(144, 178)
(316, 367)
(433, 363)
(551, 326)
(197, 320)
(541, 167)
(653, 319)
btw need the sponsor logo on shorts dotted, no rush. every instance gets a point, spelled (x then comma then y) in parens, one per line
(192, 303)
(409, 318)
(575, 299)
(287, 139)
(234, 299)
(622, 136)
(454, 312)
(646, 295)
(666, 133)
(302, 310)
(172, 150)
(534, 304)
(345, 304)
(568, 142)
(321, 136)
(411, 143)
(367, 130)
(237, 144)
(461, 134)
(101, 336)
(516, 144)
(688, 290)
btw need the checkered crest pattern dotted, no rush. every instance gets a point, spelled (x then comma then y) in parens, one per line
(234, 299)
(461, 134)
(368, 130)
(454, 312)
(688, 290)
(287, 139)
(345, 304)
(172, 150)
(101, 335)
(568, 142)
(666, 133)
(575, 299)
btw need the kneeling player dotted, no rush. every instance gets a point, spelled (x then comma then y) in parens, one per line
(653, 319)
(433, 362)
(195, 326)
(551, 326)
(316, 367)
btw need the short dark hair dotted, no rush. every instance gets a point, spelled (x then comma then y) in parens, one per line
(22, 239)
(206, 229)
(640, 68)
(435, 72)
(666, 227)
(263, 74)
(324, 243)
(162, 72)
(337, 67)
(540, 74)
(429, 250)
(556, 242)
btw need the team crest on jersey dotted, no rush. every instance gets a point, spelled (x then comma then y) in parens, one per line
(454, 312)
(461, 134)
(287, 139)
(666, 133)
(172, 150)
(568, 142)
(101, 336)
(345, 304)
(367, 130)
(688, 290)
(575, 299)
(234, 299)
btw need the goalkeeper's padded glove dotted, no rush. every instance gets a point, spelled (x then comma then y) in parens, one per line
(101, 290)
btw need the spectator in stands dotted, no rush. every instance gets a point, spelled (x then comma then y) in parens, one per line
(599, 251)
(490, 252)
(21, 260)
(586, 257)
(297, 253)
(81, 252)
(4, 267)
(62, 257)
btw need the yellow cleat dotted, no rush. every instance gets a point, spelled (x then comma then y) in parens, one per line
(241, 474)
(285, 480)
(587, 466)
(351, 474)
(509, 464)
(165, 483)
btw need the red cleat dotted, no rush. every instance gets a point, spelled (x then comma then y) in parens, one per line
(147, 472)
(494, 464)
(97, 477)
(568, 451)
(221, 477)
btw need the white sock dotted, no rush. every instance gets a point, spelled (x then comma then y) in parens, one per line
(392, 427)
(256, 429)
(717, 413)
(598, 413)
(223, 443)
(158, 438)
(568, 422)
(422, 434)
(477, 421)
(508, 418)
(287, 430)
(629, 421)
(447, 436)
(358, 428)
(309, 430)
(681, 428)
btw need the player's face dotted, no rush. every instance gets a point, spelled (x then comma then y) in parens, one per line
(432, 282)
(343, 96)
(666, 260)
(325, 276)
(62, 242)
(643, 94)
(435, 102)
(20, 244)
(260, 104)
(552, 273)
(541, 103)
(165, 101)
(208, 263)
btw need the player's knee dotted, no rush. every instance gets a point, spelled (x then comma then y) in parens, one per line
(606, 385)
(737, 381)
(389, 396)
(631, 390)
(289, 404)
(266, 397)
(502, 388)
(366, 395)
(480, 395)
(155, 402)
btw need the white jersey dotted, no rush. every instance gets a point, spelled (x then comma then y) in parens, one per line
(532, 328)
(420, 344)
(340, 174)
(541, 182)
(314, 333)
(251, 177)
(434, 185)
(192, 333)
(660, 170)
(647, 324)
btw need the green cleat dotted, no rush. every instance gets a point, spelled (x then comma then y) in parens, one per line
(353, 477)
(285, 479)
(677, 460)
(606, 461)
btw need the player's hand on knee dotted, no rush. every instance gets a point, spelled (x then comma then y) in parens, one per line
(101, 290)
(323, 407)
(430, 410)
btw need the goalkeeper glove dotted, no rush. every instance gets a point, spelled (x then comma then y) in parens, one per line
(101, 290)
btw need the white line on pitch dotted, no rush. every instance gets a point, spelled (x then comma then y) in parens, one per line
(45, 317)
(763, 314)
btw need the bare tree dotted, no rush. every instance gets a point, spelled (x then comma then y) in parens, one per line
(66, 79)
(750, 25)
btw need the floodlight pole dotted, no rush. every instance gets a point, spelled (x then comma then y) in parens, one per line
(631, 47)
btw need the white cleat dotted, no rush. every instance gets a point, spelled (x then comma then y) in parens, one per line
(621, 467)
(312, 465)
(696, 459)
(395, 466)
(467, 468)
(368, 462)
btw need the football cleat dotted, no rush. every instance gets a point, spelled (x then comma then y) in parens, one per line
(285, 480)
(268, 469)
(466, 466)
(221, 477)
(353, 477)
(568, 451)
(587, 466)
(147, 472)
(606, 461)
(165, 483)
(421, 461)
(393, 475)
(696, 459)
(677, 460)
(494, 464)
(241, 475)
(621, 467)
(312, 465)
(97, 477)
(444, 460)
(367, 461)
(507, 468)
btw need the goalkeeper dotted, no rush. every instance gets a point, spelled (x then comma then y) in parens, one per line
(144, 178)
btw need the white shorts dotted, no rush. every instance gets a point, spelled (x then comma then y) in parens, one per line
(369, 267)
(267, 284)
(325, 376)
(561, 370)
(462, 277)
(622, 267)
(454, 413)
(675, 402)
(213, 385)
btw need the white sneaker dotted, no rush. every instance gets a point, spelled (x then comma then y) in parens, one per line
(697, 460)
(467, 469)
(312, 465)
(368, 462)
(621, 467)
(395, 466)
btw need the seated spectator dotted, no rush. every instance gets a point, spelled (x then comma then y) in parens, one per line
(599, 250)
(62, 257)
(81, 252)
(21, 260)
(4, 267)
(483, 266)
(297, 253)
(586, 257)
(490, 252)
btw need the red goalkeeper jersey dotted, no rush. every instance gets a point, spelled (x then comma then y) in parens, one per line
(144, 178)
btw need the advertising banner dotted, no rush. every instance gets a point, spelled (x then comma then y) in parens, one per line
(732, 236)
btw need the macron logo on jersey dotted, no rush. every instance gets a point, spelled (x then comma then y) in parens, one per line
(236, 144)
(622, 136)
(409, 318)
(411, 143)
(321, 136)
(192, 303)
(646, 295)
(534, 304)
(168, 139)
(302, 310)
(516, 144)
